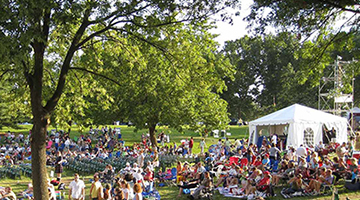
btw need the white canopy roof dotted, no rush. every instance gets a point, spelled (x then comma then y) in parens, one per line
(355, 110)
(297, 113)
(302, 124)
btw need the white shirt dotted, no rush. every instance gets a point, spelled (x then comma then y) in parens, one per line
(128, 191)
(139, 195)
(76, 188)
(135, 169)
(138, 176)
(201, 169)
(301, 151)
(274, 139)
(128, 168)
(232, 172)
(237, 143)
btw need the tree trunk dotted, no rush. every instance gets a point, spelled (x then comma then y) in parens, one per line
(38, 156)
(153, 136)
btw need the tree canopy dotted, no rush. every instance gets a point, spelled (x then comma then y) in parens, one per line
(270, 71)
(304, 16)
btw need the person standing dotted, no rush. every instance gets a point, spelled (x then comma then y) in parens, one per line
(237, 144)
(273, 152)
(107, 192)
(96, 190)
(301, 151)
(140, 159)
(191, 144)
(274, 139)
(202, 145)
(260, 140)
(137, 191)
(77, 189)
(58, 165)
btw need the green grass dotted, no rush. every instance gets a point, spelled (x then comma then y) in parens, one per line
(130, 137)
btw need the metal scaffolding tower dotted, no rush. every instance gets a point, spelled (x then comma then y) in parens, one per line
(336, 99)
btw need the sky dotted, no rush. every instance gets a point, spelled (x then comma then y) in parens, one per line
(239, 29)
(227, 31)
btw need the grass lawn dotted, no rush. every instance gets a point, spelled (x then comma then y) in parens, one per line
(168, 192)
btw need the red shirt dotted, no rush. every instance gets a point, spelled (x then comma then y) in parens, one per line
(264, 181)
(258, 163)
(191, 143)
(149, 176)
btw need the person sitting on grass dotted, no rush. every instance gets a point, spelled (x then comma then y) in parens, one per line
(325, 178)
(205, 183)
(8, 194)
(262, 185)
(296, 184)
(354, 175)
(352, 164)
(188, 185)
(281, 173)
(28, 193)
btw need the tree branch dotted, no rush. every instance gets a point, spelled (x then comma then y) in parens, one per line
(97, 74)
(142, 39)
(6, 71)
(116, 15)
(46, 26)
(52, 102)
(97, 33)
(51, 77)
(26, 72)
(318, 58)
(81, 90)
(340, 6)
(158, 25)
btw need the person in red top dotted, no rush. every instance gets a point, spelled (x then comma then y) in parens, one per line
(258, 161)
(149, 175)
(191, 144)
(263, 184)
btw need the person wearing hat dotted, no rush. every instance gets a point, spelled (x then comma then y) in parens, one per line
(265, 163)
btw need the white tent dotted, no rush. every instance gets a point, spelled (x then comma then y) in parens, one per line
(301, 124)
(355, 110)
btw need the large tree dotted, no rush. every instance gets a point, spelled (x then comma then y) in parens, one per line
(40, 36)
(176, 85)
(270, 71)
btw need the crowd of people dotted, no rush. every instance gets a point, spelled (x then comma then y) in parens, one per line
(241, 168)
